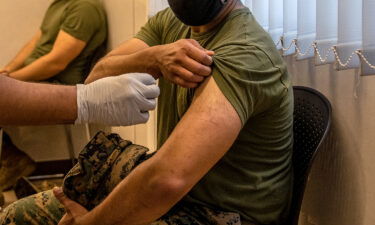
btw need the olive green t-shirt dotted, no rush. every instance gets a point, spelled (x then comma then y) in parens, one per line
(254, 178)
(82, 19)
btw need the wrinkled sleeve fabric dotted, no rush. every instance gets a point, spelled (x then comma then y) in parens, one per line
(247, 78)
(81, 20)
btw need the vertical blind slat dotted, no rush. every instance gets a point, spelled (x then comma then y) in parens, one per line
(368, 23)
(306, 27)
(261, 12)
(290, 25)
(349, 32)
(248, 3)
(155, 6)
(326, 30)
(368, 36)
(276, 19)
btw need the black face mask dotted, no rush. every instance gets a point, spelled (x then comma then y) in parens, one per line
(196, 12)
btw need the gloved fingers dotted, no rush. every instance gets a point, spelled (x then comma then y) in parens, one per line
(151, 91)
(144, 78)
(82, 106)
(143, 117)
(148, 105)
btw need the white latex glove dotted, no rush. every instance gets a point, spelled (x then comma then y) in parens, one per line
(117, 101)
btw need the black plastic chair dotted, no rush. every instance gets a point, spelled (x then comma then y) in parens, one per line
(312, 120)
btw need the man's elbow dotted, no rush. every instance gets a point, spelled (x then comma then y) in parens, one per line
(171, 188)
(59, 66)
(56, 64)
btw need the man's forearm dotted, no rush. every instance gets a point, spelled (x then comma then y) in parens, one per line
(139, 62)
(34, 104)
(41, 69)
(18, 61)
(141, 198)
(203, 136)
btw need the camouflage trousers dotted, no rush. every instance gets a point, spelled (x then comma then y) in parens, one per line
(102, 164)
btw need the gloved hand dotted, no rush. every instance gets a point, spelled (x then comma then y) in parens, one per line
(117, 101)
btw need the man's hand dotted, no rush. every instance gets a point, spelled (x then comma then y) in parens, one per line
(184, 62)
(117, 101)
(74, 211)
(4, 72)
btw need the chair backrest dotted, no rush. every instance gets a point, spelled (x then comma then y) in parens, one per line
(312, 120)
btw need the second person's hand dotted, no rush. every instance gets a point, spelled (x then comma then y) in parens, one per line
(4, 72)
(117, 101)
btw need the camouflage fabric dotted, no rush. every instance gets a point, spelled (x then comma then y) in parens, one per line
(45, 209)
(103, 163)
(185, 213)
(40, 209)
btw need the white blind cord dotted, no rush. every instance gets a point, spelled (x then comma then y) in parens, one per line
(333, 49)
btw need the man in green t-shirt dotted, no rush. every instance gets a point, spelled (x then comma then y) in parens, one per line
(72, 34)
(62, 50)
(224, 141)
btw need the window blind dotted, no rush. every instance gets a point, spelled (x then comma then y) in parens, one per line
(332, 31)
(306, 28)
(276, 20)
(349, 36)
(326, 31)
(367, 55)
(261, 12)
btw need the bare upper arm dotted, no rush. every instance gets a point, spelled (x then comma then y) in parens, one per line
(205, 133)
(66, 48)
(129, 47)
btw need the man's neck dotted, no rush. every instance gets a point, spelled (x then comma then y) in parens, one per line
(231, 5)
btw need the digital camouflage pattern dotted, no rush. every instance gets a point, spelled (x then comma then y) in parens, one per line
(184, 213)
(102, 164)
(39, 209)
(45, 209)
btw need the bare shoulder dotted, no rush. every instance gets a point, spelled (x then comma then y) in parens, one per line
(210, 101)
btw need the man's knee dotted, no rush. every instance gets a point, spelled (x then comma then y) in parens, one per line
(42, 208)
